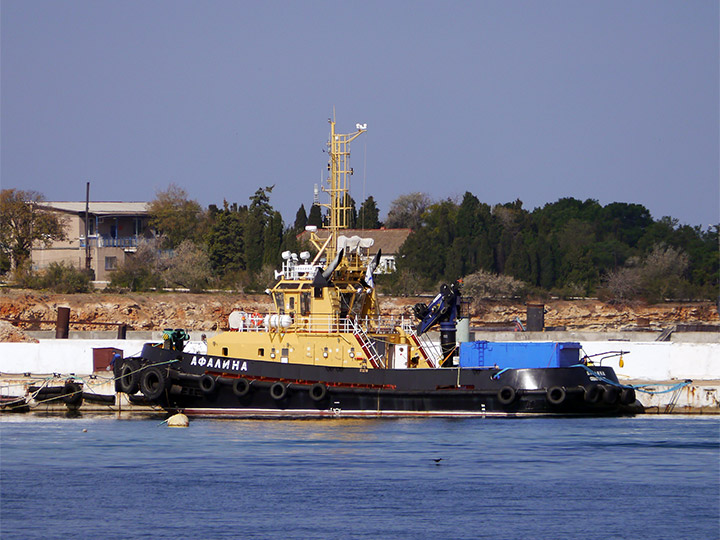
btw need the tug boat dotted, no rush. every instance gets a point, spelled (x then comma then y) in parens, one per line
(327, 351)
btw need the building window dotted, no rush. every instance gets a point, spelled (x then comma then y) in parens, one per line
(110, 263)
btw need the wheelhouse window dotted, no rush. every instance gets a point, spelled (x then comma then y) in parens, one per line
(280, 302)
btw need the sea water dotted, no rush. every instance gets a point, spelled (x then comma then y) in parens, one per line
(96, 477)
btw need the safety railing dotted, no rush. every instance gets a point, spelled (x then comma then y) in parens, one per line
(109, 241)
(320, 324)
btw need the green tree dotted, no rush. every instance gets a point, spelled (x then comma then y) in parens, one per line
(273, 239)
(625, 222)
(258, 217)
(188, 267)
(519, 264)
(425, 251)
(64, 279)
(24, 220)
(407, 211)
(175, 217)
(315, 217)
(350, 212)
(510, 220)
(301, 219)
(369, 215)
(225, 240)
(140, 271)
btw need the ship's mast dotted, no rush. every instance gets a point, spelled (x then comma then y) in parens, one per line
(339, 182)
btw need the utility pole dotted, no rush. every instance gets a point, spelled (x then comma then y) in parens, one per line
(88, 258)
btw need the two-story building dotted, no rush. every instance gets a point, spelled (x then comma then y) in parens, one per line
(114, 231)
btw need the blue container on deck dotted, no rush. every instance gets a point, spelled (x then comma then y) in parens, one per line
(519, 354)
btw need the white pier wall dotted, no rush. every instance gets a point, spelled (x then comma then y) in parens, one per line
(659, 361)
(652, 361)
(59, 355)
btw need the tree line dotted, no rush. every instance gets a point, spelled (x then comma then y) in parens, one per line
(567, 248)
(229, 246)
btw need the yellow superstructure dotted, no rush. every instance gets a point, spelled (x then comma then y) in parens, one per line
(325, 309)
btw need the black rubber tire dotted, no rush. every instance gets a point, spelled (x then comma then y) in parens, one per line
(207, 384)
(153, 383)
(592, 393)
(506, 395)
(278, 391)
(318, 391)
(129, 378)
(611, 394)
(556, 395)
(72, 393)
(241, 387)
(627, 396)
(98, 398)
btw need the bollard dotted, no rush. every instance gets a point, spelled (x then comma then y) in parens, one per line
(62, 325)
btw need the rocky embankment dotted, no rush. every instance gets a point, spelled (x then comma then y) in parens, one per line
(209, 312)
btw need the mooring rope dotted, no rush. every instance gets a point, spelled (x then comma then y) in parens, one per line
(23, 401)
(637, 387)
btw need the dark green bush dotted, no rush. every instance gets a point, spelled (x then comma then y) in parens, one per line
(63, 278)
(139, 272)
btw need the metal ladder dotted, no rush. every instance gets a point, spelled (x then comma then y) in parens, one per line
(665, 334)
(430, 351)
(368, 346)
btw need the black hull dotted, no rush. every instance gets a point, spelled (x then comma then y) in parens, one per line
(204, 385)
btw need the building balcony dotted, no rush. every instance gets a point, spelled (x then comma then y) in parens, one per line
(108, 241)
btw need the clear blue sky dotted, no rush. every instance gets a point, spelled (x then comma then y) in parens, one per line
(610, 100)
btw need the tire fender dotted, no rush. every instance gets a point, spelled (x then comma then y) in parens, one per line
(129, 378)
(153, 383)
(592, 393)
(506, 395)
(627, 396)
(241, 387)
(207, 383)
(611, 394)
(318, 391)
(556, 395)
(72, 393)
(278, 391)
